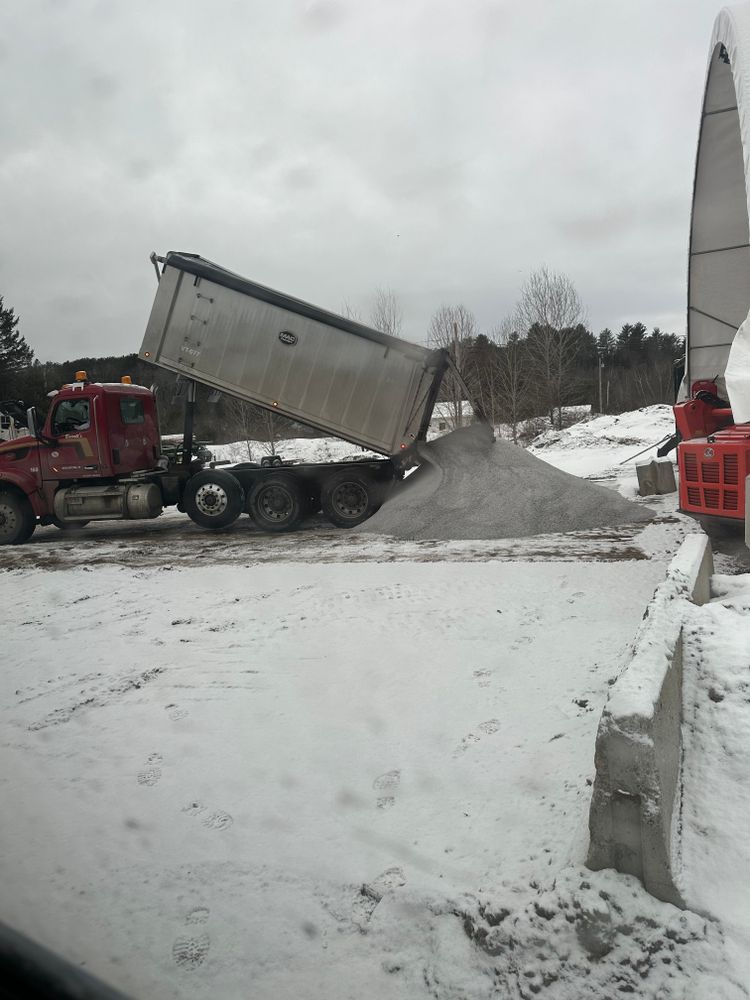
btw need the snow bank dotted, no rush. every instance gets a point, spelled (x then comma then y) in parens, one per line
(639, 741)
(592, 447)
(586, 936)
(324, 449)
(716, 799)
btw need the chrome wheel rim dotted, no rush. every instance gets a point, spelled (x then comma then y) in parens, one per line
(211, 499)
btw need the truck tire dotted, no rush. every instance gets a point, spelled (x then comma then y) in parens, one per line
(277, 503)
(349, 498)
(213, 499)
(17, 519)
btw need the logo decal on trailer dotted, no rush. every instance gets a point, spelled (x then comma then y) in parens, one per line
(708, 453)
(287, 337)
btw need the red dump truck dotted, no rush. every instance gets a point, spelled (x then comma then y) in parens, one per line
(97, 455)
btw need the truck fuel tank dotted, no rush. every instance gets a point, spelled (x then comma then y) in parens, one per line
(120, 501)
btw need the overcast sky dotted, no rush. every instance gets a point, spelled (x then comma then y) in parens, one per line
(325, 147)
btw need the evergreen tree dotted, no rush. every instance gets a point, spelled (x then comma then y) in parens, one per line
(630, 344)
(15, 353)
(605, 343)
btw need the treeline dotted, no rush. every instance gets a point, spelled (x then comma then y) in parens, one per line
(516, 377)
(543, 358)
(536, 362)
(513, 378)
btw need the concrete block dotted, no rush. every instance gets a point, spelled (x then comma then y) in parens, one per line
(637, 789)
(655, 477)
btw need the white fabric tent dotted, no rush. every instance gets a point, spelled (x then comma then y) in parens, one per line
(719, 266)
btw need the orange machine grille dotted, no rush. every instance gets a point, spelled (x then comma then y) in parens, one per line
(711, 499)
(731, 470)
(710, 472)
(712, 475)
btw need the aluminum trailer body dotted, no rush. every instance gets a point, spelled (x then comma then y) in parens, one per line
(292, 358)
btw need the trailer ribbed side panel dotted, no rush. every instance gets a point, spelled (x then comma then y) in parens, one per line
(290, 357)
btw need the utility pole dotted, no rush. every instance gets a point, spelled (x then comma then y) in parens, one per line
(601, 368)
(458, 402)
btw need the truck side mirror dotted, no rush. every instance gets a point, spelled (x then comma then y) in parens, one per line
(32, 422)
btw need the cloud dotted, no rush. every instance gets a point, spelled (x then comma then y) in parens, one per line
(325, 148)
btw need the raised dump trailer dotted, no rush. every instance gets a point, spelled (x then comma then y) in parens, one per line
(98, 454)
(221, 330)
(283, 354)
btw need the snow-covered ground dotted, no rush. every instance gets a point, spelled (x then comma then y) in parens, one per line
(292, 450)
(595, 448)
(337, 766)
(590, 448)
(716, 851)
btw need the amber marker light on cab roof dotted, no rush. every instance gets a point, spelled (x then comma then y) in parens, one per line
(126, 380)
(81, 377)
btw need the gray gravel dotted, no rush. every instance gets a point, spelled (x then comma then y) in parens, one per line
(469, 486)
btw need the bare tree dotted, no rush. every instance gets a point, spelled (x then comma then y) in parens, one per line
(548, 311)
(510, 375)
(386, 314)
(253, 423)
(243, 417)
(267, 420)
(350, 311)
(453, 327)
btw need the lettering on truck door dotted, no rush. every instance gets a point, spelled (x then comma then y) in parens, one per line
(75, 453)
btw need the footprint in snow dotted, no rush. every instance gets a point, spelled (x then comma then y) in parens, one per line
(370, 894)
(482, 677)
(387, 785)
(522, 640)
(198, 915)
(215, 819)
(191, 950)
(176, 713)
(150, 773)
(487, 728)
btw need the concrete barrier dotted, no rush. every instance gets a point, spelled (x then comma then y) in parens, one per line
(655, 477)
(634, 815)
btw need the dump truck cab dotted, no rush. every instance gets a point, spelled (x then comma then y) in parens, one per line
(79, 465)
(99, 429)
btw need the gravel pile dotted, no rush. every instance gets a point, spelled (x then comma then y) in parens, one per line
(469, 486)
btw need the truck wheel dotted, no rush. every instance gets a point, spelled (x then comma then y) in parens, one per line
(277, 503)
(213, 499)
(349, 498)
(17, 520)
